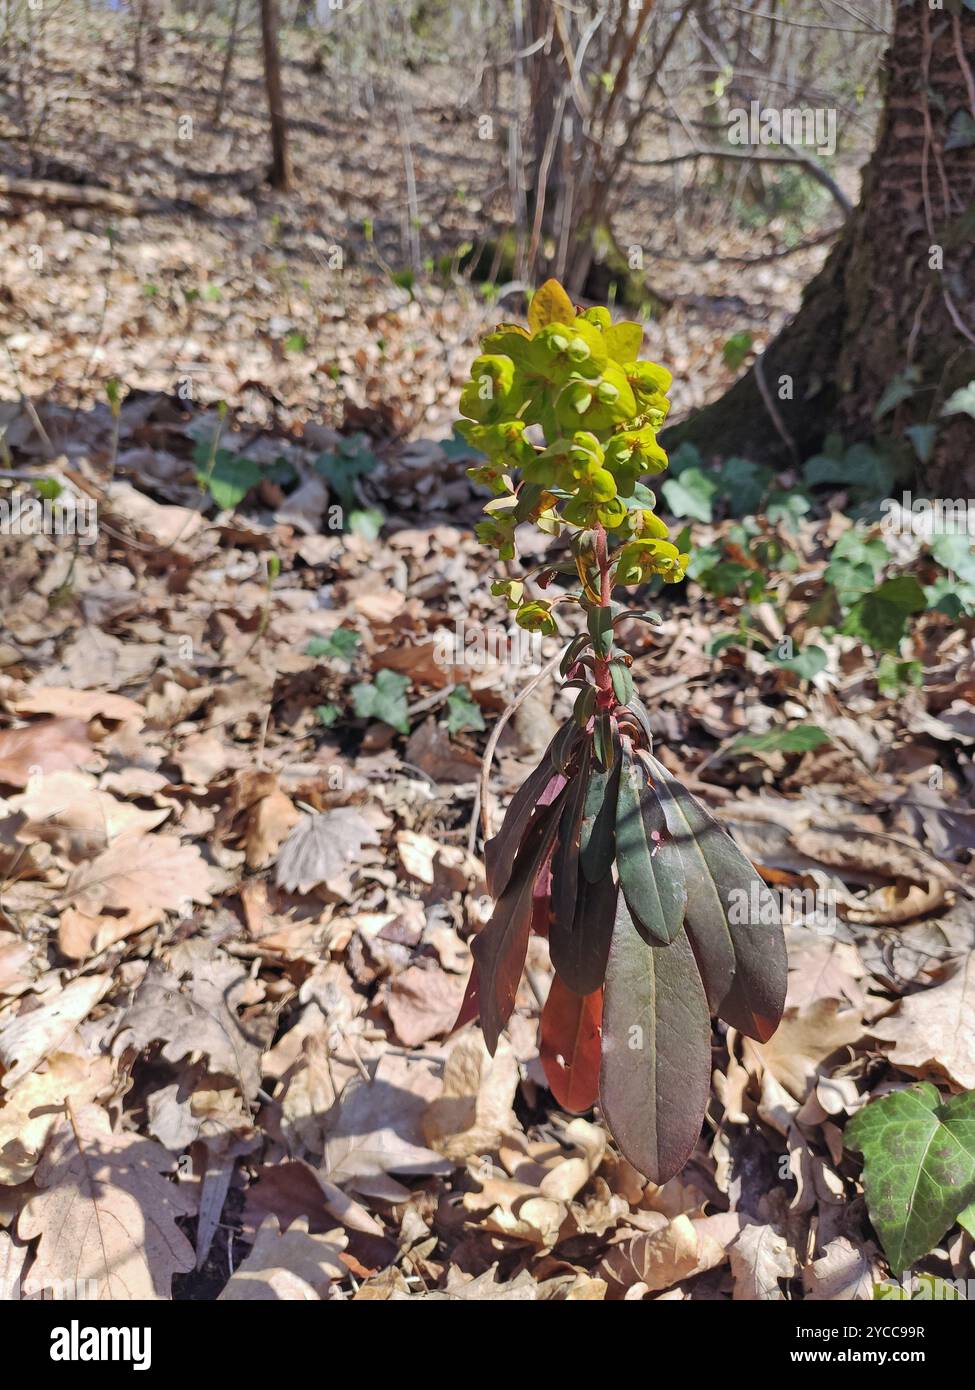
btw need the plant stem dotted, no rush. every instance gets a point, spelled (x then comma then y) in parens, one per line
(604, 683)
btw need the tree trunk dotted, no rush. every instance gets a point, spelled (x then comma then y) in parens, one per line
(898, 290)
(228, 63)
(279, 174)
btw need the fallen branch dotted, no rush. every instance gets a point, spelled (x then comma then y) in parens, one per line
(806, 161)
(71, 195)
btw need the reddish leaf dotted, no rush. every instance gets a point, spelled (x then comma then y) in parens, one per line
(570, 1046)
(501, 851)
(470, 1005)
(500, 949)
(542, 900)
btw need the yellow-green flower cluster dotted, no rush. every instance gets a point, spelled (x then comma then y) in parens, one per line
(596, 410)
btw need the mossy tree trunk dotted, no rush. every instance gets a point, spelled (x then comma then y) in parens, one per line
(896, 294)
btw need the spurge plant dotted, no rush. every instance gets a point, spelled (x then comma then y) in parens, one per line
(655, 918)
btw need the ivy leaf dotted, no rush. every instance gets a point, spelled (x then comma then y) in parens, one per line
(230, 479)
(691, 494)
(341, 643)
(955, 553)
(384, 700)
(744, 484)
(462, 711)
(808, 663)
(787, 508)
(801, 738)
(922, 437)
(367, 522)
(860, 468)
(880, 617)
(919, 1167)
(899, 389)
(961, 402)
(327, 714)
(353, 459)
(893, 676)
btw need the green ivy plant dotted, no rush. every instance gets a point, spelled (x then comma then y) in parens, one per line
(654, 917)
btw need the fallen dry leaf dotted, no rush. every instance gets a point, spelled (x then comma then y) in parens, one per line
(49, 745)
(67, 702)
(192, 1008)
(321, 848)
(760, 1257)
(378, 1128)
(155, 872)
(423, 1003)
(30, 1036)
(105, 1214)
(292, 1265)
(35, 1105)
(933, 1031)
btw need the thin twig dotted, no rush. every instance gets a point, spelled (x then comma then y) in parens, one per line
(482, 800)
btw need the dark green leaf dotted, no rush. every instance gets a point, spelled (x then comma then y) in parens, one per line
(732, 919)
(622, 681)
(342, 643)
(880, 618)
(579, 951)
(230, 479)
(600, 624)
(385, 699)
(563, 747)
(597, 840)
(801, 738)
(462, 711)
(584, 705)
(656, 1068)
(919, 1167)
(603, 740)
(575, 649)
(650, 867)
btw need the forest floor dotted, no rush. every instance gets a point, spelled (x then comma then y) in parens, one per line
(241, 745)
